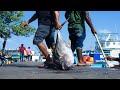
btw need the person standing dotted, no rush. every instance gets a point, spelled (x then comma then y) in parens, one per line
(21, 49)
(29, 53)
(77, 32)
(47, 22)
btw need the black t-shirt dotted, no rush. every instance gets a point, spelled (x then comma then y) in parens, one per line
(45, 17)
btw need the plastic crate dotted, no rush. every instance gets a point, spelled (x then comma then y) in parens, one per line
(95, 56)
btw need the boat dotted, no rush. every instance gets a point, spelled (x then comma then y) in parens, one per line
(110, 44)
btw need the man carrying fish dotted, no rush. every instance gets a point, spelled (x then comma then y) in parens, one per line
(47, 21)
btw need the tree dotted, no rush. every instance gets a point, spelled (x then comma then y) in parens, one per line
(11, 23)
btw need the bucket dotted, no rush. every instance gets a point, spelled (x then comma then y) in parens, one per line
(91, 59)
(85, 58)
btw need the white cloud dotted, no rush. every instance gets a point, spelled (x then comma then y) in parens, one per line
(104, 31)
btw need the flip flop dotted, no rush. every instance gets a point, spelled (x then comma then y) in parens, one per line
(81, 64)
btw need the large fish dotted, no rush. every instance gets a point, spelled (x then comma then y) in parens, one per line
(62, 54)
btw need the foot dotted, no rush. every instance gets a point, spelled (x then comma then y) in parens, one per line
(45, 64)
(81, 64)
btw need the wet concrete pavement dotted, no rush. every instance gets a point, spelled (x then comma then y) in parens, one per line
(30, 70)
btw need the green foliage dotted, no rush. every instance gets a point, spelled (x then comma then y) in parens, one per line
(11, 23)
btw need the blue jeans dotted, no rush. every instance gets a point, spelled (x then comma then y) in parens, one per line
(21, 56)
(77, 37)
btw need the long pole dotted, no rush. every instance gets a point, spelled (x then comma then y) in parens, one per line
(101, 50)
(64, 22)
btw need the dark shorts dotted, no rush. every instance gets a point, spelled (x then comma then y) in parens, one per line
(77, 37)
(44, 32)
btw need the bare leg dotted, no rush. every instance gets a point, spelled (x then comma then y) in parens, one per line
(43, 49)
(79, 54)
(28, 58)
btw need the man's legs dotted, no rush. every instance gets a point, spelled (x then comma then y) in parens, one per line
(78, 51)
(77, 37)
(41, 34)
(29, 58)
(80, 37)
(21, 56)
(79, 55)
(43, 49)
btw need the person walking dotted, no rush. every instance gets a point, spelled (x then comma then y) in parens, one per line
(77, 32)
(29, 53)
(48, 21)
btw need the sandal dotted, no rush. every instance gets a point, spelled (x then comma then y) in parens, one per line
(45, 65)
(81, 64)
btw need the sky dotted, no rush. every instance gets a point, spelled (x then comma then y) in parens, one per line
(103, 21)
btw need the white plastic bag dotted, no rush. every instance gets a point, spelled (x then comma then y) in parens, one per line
(63, 52)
